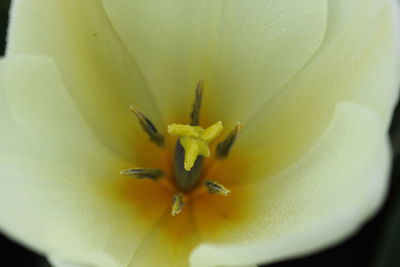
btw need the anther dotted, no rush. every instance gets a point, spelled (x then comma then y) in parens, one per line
(148, 127)
(177, 204)
(195, 115)
(216, 188)
(142, 173)
(225, 146)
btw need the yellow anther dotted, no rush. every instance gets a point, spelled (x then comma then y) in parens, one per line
(195, 140)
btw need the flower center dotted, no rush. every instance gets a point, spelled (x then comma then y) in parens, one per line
(190, 149)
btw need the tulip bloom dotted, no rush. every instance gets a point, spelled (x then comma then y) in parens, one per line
(86, 183)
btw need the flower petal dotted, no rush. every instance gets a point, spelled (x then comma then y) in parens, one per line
(58, 263)
(169, 243)
(173, 238)
(323, 198)
(98, 71)
(60, 191)
(358, 61)
(245, 51)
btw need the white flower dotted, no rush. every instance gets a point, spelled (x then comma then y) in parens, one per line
(314, 83)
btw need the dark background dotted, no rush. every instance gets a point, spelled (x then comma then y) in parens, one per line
(376, 245)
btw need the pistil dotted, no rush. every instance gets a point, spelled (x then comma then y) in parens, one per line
(186, 180)
(195, 140)
(191, 148)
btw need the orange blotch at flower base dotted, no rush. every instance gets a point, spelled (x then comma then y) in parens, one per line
(196, 190)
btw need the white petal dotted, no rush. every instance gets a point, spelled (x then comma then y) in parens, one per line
(173, 239)
(169, 243)
(245, 50)
(98, 71)
(60, 191)
(37, 108)
(58, 263)
(358, 61)
(319, 201)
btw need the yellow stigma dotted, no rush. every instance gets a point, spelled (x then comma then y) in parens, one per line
(195, 140)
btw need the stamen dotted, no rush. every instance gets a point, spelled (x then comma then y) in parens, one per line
(194, 140)
(216, 188)
(225, 146)
(148, 127)
(177, 204)
(142, 173)
(195, 115)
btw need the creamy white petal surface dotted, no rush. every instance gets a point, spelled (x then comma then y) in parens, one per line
(97, 69)
(314, 82)
(318, 201)
(245, 50)
(59, 184)
(358, 61)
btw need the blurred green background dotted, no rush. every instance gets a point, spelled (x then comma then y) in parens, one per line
(376, 245)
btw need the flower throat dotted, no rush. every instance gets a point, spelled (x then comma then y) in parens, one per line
(191, 148)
